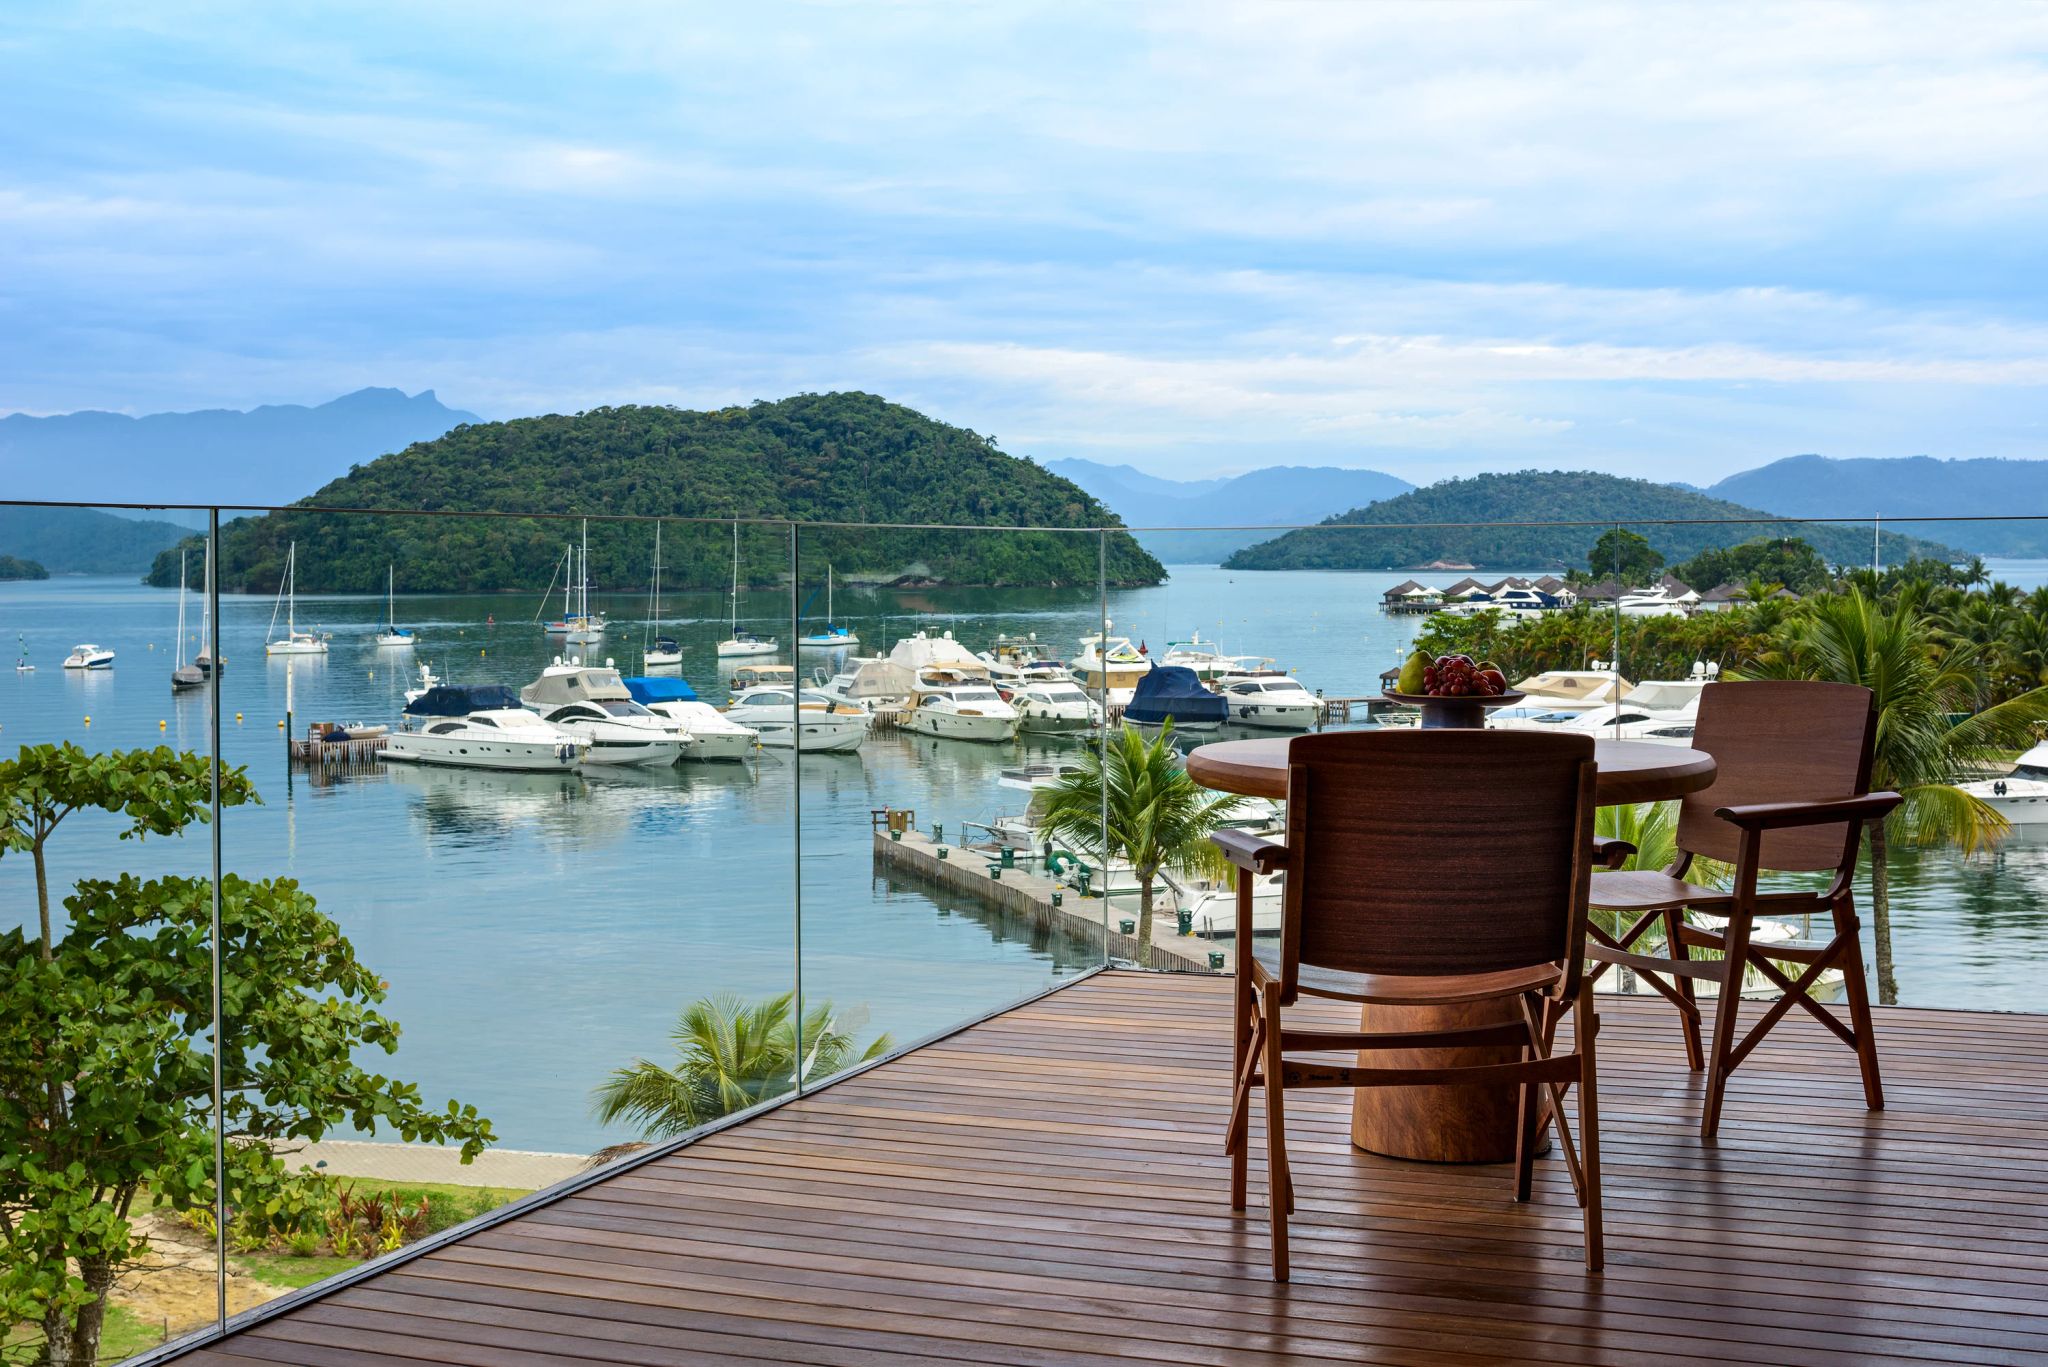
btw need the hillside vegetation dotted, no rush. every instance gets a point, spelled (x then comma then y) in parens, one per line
(1371, 538)
(85, 540)
(814, 458)
(12, 568)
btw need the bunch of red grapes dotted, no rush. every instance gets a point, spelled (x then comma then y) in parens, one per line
(1455, 676)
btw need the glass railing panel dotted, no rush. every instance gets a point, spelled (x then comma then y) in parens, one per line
(109, 1134)
(938, 726)
(544, 894)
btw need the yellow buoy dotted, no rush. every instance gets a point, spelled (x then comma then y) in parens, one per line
(280, 723)
(159, 726)
(480, 654)
(238, 716)
(88, 721)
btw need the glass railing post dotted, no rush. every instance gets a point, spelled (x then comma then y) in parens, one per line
(796, 800)
(220, 1173)
(1102, 698)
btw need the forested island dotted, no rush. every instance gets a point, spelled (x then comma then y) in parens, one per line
(12, 567)
(1499, 511)
(814, 458)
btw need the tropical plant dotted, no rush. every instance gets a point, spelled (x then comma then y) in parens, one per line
(1627, 556)
(730, 1055)
(1922, 687)
(1155, 817)
(107, 1044)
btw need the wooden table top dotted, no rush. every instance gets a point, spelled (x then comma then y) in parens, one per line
(1630, 770)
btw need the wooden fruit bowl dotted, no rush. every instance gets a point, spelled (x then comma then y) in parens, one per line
(1459, 714)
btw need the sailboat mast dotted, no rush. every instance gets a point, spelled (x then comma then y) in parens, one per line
(181, 611)
(735, 577)
(291, 590)
(583, 595)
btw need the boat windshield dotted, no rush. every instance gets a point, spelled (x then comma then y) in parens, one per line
(624, 709)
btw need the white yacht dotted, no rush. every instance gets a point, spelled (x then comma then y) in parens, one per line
(1110, 664)
(1277, 704)
(784, 717)
(394, 636)
(1571, 690)
(925, 652)
(591, 703)
(2021, 797)
(1650, 602)
(869, 682)
(1054, 707)
(1206, 658)
(89, 656)
(741, 644)
(1214, 902)
(479, 726)
(294, 641)
(957, 708)
(712, 735)
(428, 680)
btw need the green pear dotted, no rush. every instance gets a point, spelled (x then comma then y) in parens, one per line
(1411, 673)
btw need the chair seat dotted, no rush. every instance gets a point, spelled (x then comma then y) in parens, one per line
(1389, 989)
(1648, 890)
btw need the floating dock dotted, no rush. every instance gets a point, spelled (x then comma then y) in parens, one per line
(1028, 892)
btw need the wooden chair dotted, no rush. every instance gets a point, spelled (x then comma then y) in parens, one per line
(1791, 793)
(1424, 868)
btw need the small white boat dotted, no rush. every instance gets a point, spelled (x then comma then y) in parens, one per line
(1272, 703)
(1110, 666)
(592, 704)
(578, 625)
(2021, 797)
(665, 652)
(954, 708)
(184, 677)
(783, 717)
(741, 644)
(1032, 777)
(479, 726)
(89, 657)
(394, 636)
(712, 735)
(1059, 707)
(832, 637)
(1213, 902)
(294, 641)
(21, 664)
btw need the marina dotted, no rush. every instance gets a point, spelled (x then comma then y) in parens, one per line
(539, 928)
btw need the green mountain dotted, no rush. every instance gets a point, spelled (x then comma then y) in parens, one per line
(813, 458)
(85, 540)
(1384, 535)
(1893, 488)
(11, 568)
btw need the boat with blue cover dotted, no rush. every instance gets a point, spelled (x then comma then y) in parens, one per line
(1175, 693)
(479, 726)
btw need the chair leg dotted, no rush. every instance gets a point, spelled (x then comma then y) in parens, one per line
(1237, 1137)
(1850, 931)
(1276, 1138)
(1528, 1113)
(1674, 947)
(1727, 1010)
(1584, 1029)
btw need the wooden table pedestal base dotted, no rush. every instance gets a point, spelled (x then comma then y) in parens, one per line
(1438, 1124)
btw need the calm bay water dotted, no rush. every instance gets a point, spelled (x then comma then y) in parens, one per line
(539, 930)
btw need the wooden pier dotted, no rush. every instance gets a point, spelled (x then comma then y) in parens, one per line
(1028, 892)
(335, 756)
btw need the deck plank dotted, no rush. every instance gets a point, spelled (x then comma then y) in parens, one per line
(1047, 1187)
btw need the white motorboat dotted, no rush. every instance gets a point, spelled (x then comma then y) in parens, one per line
(294, 641)
(870, 683)
(1032, 777)
(713, 735)
(1213, 902)
(2021, 797)
(89, 656)
(479, 726)
(1206, 658)
(742, 644)
(428, 679)
(923, 652)
(183, 676)
(1277, 704)
(956, 708)
(745, 677)
(394, 636)
(1570, 690)
(784, 717)
(591, 703)
(1652, 602)
(833, 637)
(1110, 666)
(1058, 707)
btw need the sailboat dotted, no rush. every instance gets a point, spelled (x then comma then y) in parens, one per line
(204, 659)
(664, 651)
(393, 634)
(833, 635)
(742, 643)
(294, 641)
(578, 626)
(183, 676)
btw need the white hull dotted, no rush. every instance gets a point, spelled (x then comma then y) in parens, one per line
(821, 735)
(1275, 716)
(1041, 720)
(741, 650)
(391, 642)
(718, 745)
(2023, 803)
(711, 736)
(658, 659)
(655, 751)
(957, 726)
(99, 660)
(827, 642)
(296, 647)
(469, 752)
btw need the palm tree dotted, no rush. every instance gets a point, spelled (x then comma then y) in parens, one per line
(1974, 573)
(1156, 816)
(729, 1055)
(1921, 753)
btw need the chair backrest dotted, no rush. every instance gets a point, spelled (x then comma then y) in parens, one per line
(1436, 852)
(1780, 740)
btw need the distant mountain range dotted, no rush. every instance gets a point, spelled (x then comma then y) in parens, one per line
(1386, 535)
(84, 541)
(1896, 489)
(1278, 496)
(268, 455)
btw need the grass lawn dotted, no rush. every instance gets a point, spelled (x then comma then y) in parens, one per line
(123, 1337)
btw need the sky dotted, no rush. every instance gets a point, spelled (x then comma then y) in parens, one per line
(1671, 241)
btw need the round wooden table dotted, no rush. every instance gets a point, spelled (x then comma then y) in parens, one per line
(1459, 1124)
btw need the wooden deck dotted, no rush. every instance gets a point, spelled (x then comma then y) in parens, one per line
(1046, 1188)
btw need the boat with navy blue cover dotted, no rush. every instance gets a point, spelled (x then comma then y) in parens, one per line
(479, 726)
(1175, 692)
